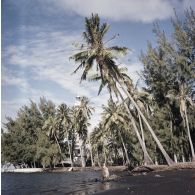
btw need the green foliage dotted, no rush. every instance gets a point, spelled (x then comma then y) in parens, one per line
(169, 73)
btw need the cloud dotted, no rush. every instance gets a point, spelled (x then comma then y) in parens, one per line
(9, 79)
(9, 108)
(125, 10)
(43, 56)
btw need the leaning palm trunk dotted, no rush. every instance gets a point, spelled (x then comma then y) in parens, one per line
(143, 138)
(126, 153)
(166, 156)
(189, 135)
(147, 157)
(184, 115)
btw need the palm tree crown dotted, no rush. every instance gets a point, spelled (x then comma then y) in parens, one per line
(95, 52)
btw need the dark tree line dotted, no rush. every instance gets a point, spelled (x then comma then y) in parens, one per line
(43, 135)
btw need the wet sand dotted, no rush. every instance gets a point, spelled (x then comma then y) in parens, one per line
(175, 182)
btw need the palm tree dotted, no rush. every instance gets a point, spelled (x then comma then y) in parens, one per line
(63, 118)
(113, 88)
(110, 118)
(52, 130)
(91, 152)
(95, 50)
(81, 116)
(183, 100)
(97, 139)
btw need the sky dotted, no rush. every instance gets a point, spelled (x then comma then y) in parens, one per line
(39, 36)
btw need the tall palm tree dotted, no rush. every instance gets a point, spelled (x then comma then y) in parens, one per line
(110, 117)
(97, 139)
(95, 50)
(91, 151)
(82, 114)
(113, 88)
(63, 118)
(183, 99)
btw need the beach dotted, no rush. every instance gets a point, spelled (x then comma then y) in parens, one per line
(174, 182)
(161, 180)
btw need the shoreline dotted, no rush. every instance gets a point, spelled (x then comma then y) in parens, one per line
(136, 170)
(65, 169)
(162, 179)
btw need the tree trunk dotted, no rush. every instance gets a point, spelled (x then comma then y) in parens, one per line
(147, 157)
(143, 139)
(175, 158)
(58, 144)
(171, 127)
(91, 154)
(156, 162)
(82, 151)
(34, 164)
(70, 154)
(126, 153)
(58, 147)
(105, 158)
(123, 156)
(98, 159)
(166, 156)
(183, 158)
(189, 135)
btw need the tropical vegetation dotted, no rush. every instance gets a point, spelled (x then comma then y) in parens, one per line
(152, 124)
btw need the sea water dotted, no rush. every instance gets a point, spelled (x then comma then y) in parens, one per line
(78, 183)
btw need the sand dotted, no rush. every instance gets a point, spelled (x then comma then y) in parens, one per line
(163, 180)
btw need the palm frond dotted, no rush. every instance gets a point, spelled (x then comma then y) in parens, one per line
(94, 77)
(118, 50)
(104, 29)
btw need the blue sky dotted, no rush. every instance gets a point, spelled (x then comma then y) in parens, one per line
(38, 38)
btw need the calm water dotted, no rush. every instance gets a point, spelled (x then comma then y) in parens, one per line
(78, 183)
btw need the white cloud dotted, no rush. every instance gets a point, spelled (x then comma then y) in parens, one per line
(44, 57)
(9, 108)
(188, 3)
(9, 79)
(126, 10)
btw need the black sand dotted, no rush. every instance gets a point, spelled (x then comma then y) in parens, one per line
(175, 182)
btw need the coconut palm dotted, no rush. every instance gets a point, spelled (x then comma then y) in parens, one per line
(52, 129)
(98, 140)
(183, 100)
(113, 88)
(64, 119)
(91, 151)
(95, 52)
(81, 116)
(111, 116)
